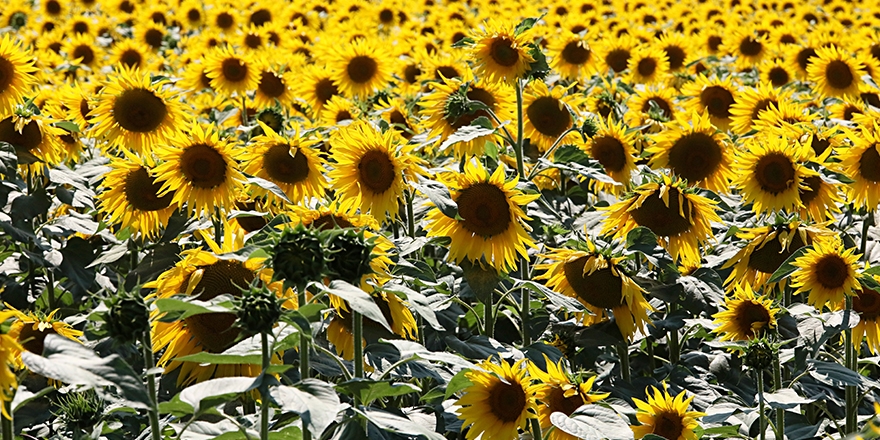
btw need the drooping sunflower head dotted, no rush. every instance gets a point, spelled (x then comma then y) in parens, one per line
(600, 283)
(835, 73)
(491, 220)
(560, 393)
(715, 96)
(680, 218)
(666, 416)
(231, 72)
(826, 272)
(695, 151)
(867, 305)
(499, 53)
(360, 68)
(745, 315)
(16, 73)
(770, 173)
(30, 330)
(131, 198)
(499, 403)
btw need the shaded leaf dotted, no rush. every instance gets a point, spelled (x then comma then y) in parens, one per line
(593, 422)
(208, 394)
(315, 401)
(400, 425)
(359, 301)
(367, 390)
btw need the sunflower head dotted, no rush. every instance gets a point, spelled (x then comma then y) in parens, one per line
(258, 310)
(826, 272)
(560, 393)
(745, 315)
(500, 53)
(666, 416)
(499, 402)
(770, 172)
(298, 257)
(16, 73)
(127, 318)
(835, 73)
(349, 254)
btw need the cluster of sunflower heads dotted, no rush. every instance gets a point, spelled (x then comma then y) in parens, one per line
(302, 255)
(258, 310)
(128, 319)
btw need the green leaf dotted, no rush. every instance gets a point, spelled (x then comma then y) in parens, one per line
(466, 133)
(68, 125)
(367, 390)
(438, 193)
(786, 398)
(526, 24)
(205, 395)
(222, 359)
(269, 186)
(359, 301)
(175, 407)
(176, 309)
(570, 154)
(457, 383)
(315, 401)
(400, 425)
(557, 299)
(464, 43)
(72, 363)
(787, 268)
(593, 421)
(539, 68)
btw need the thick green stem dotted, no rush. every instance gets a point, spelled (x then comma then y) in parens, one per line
(762, 421)
(535, 169)
(520, 121)
(6, 423)
(358, 330)
(777, 385)
(149, 364)
(851, 360)
(623, 354)
(674, 350)
(410, 216)
(536, 429)
(264, 400)
(488, 320)
(50, 288)
(525, 302)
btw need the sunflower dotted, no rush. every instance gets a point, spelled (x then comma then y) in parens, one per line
(131, 54)
(769, 172)
(131, 198)
(616, 52)
(337, 110)
(231, 72)
(395, 112)
(867, 305)
(652, 106)
(827, 272)
(648, 65)
(788, 112)
(559, 393)
(680, 218)
(665, 416)
(835, 73)
(206, 275)
(747, 45)
(16, 74)
(776, 72)
(443, 122)
(861, 163)
(572, 56)
(200, 169)
(10, 349)
(500, 54)
(499, 402)
(695, 151)
(291, 163)
(714, 96)
(490, 222)
(613, 148)
(677, 49)
(273, 86)
(316, 86)
(600, 283)
(82, 51)
(136, 114)
(745, 316)
(751, 102)
(360, 68)
(30, 331)
(370, 170)
(444, 65)
(339, 331)
(33, 137)
(548, 114)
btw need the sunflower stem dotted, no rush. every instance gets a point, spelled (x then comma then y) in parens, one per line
(50, 288)
(777, 385)
(623, 354)
(674, 350)
(149, 364)
(410, 215)
(7, 426)
(488, 320)
(244, 114)
(762, 421)
(264, 400)
(536, 429)
(525, 302)
(358, 330)
(520, 142)
(851, 361)
(550, 151)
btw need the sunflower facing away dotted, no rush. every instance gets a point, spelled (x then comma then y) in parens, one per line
(695, 151)
(370, 169)
(134, 113)
(600, 283)
(199, 167)
(292, 163)
(745, 315)
(490, 222)
(499, 54)
(769, 172)
(499, 403)
(666, 416)
(131, 198)
(360, 68)
(559, 393)
(827, 272)
(16, 74)
(680, 218)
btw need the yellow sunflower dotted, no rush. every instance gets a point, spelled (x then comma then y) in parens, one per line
(572, 56)
(695, 151)
(339, 331)
(867, 305)
(338, 110)
(827, 272)
(616, 52)
(861, 163)
(360, 67)
(201, 169)
(9, 350)
(230, 72)
(499, 54)
(652, 106)
(292, 163)
(776, 72)
(370, 169)
(315, 86)
(500, 401)
(548, 114)
(747, 45)
(30, 331)
(715, 96)
(34, 138)
(16, 74)
(769, 172)
(273, 87)
(559, 393)
(680, 218)
(745, 316)
(666, 416)
(648, 65)
(835, 73)
(600, 283)
(490, 222)
(613, 148)
(131, 198)
(751, 102)
(134, 113)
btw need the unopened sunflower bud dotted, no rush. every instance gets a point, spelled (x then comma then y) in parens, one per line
(759, 355)
(258, 311)
(298, 257)
(590, 127)
(349, 256)
(128, 319)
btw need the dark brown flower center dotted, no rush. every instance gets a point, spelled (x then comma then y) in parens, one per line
(325, 89)
(814, 183)
(770, 256)
(85, 52)
(203, 166)
(762, 105)
(474, 94)
(750, 47)
(610, 152)
(601, 289)
(271, 85)
(617, 60)
(154, 37)
(376, 171)
(647, 67)
(330, 221)
(139, 110)
(778, 76)
(503, 52)
(549, 116)
(30, 137)
(362, 68)
(676, 56)
(717, 101)
(253, 41)
(261, 17)
(507, 401)
(665, 221)
(668, 425)
(53, 7)
(142, 191)
(194, 15)
(839, 75)
(557, 402)
(33, 340)
(714, 43)
(131, 58)
(234, 70)
(484, 209)
(661, 103)
(695, 156)
(831, 271)
(411, 73)
(250, 223)
(867, 304)
(215, 331)
(446, 72)
(774, 173)
(749, 313)
(285, 164)
(869, 164)
(575, 53)
(225, 20)
(386, 16)
(805, 57)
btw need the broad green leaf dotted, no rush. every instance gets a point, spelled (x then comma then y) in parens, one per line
(211, 393)
(438, 193)
(400, 425)
(367, 390)
(315, 401)
(359, 301)
(786, 398)
(593, 422)
(269, 186)
(466, 133)
(787, 267)
(457, 383)
(176, 309)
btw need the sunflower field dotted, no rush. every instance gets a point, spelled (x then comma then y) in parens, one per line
(439, 219)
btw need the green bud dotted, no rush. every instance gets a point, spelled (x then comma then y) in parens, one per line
(759, 355)
(128, 319)
(590, 127)
(80, 411)
(298, 257)
(349, 256)
(258, 311)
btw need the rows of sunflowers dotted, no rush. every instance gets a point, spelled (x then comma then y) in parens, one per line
(481, 219)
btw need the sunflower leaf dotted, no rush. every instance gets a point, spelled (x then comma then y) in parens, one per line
(205, 395)
(463, 43)
(268, 186)
(400, 424)
(466, 133)
(368, 391)
(593, 422)
(526, 24)
(67, 125)
(315, 401)
(439, 195)
(787, 267)
(786, 398)
(359, 301)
